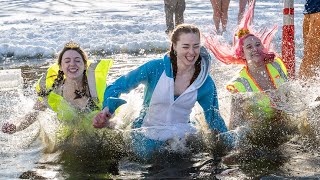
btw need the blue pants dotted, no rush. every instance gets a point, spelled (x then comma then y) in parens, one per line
(144, 147)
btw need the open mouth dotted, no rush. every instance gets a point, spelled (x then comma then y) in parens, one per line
(256, 54)
(73, 70)
(190, 58)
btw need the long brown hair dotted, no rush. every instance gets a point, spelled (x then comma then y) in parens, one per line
(176, 33)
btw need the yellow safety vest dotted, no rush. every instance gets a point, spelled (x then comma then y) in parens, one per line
(245, 83)
(97, 79)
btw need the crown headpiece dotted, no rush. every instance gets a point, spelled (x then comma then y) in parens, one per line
(72, 45)
(242, 32)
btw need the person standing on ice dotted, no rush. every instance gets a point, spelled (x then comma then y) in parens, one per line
(263, 70)
(173, 85)
(220, 14)
(174, 10)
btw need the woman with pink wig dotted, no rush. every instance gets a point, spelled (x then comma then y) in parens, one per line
(263, 70)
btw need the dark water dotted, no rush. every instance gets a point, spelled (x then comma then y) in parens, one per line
(275, 148)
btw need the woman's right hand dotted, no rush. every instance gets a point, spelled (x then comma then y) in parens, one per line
(101, 119)
(9, 128)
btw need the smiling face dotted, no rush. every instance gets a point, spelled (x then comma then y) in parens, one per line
(72, 65)
(253, 51)
(187, 48)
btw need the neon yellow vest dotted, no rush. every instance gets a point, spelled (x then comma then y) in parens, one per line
(245, 83)
(97, 79)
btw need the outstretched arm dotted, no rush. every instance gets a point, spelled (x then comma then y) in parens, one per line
(126, 83)
(122, 85)
(29, 119)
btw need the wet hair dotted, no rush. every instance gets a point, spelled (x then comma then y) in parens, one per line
(175, 37)
(60, 77)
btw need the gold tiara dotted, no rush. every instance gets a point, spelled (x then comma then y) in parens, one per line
(242, 32)
(72, 45)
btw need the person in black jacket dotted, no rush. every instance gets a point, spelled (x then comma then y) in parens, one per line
(174, 8)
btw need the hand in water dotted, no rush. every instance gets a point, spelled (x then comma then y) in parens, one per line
(9, 128)
(101, 119)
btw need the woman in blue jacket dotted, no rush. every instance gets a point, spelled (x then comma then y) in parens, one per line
(172, 87)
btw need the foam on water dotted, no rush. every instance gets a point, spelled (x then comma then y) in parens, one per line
(11, 79)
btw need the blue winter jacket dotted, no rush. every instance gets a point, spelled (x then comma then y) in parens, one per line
(149, 75)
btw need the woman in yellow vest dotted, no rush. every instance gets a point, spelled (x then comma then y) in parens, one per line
(263, 70)
(73, 88)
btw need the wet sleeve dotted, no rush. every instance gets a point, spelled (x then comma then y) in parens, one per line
(208, 100)
(126, 83)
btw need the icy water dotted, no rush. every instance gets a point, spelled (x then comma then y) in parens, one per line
(275, 152)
